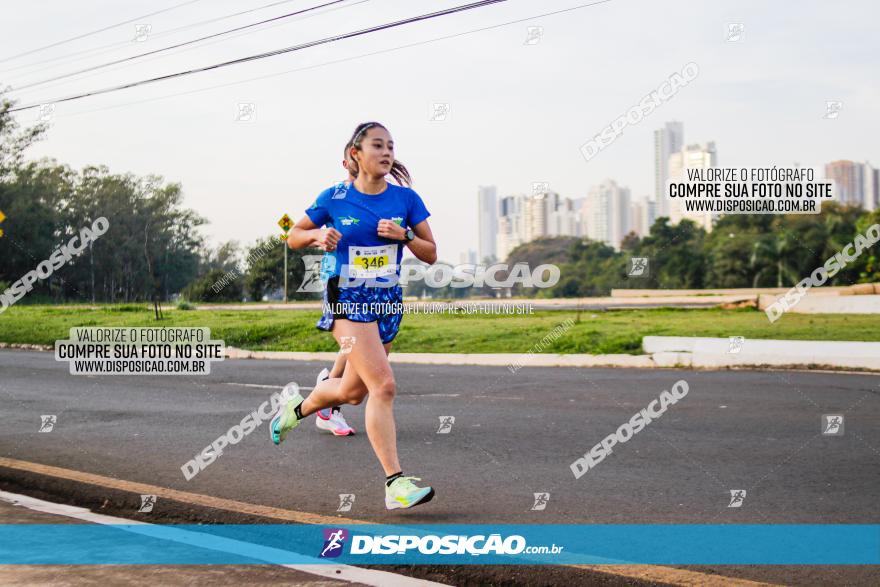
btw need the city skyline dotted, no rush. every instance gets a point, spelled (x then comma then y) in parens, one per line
(608, 211)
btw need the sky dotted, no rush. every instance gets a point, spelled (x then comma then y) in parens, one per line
(518, 112)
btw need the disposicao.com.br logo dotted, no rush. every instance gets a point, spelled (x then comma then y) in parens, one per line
(430, 544)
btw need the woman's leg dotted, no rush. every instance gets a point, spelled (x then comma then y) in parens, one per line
(367, 371)
(338, 366)
(348, 388)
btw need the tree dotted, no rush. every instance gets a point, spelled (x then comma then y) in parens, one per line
(216, 285)
(677, 258)
(593, 269)
(14, 143)
(266, 271)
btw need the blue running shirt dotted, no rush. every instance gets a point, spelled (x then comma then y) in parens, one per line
(356, 216)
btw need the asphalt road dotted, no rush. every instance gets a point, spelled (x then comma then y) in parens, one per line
(514, 435)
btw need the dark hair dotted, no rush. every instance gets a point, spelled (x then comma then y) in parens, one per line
(347, 158)
(398, 170)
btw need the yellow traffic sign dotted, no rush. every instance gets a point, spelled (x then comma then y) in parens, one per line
(285, 223)
(283, 236)
(2, 218)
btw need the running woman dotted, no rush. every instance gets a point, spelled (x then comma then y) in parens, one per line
(367, 237)
(331, 419)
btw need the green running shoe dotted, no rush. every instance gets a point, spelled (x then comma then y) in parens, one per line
(403, 493)
(285, 419)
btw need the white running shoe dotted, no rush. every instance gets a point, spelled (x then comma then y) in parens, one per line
(331, 419)
(335, 423)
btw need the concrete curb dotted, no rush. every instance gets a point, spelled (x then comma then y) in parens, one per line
(656, 360)
(28, 347)
(512, 360)
(710, 356)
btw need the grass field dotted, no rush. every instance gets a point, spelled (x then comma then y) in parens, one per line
(618, 331)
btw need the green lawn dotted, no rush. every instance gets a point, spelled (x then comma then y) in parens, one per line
(596, 332)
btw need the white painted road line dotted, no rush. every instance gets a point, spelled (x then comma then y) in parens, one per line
(260, 386)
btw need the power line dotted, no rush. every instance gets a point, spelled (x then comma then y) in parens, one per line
(107, 28)
(73, 56)
(335, 61)
(193, 48)
(258, 56)
(178, 45)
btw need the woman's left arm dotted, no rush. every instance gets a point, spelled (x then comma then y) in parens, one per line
(423, 246)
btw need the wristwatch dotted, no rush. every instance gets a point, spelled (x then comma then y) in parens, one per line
(409, 235)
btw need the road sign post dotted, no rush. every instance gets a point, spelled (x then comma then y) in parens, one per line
(285, 223)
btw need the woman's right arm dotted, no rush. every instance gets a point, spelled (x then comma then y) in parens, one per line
(305, 234)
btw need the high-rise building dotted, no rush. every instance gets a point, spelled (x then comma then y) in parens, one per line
(510, 225)
(487, 218)
(871, 199)
(605, 213)
(577, 206)
(641, 215)
(535, 209)
(848, 179)
(667, 140)
(562, 220)
(522, 219)
(855, 184)
(691, 157)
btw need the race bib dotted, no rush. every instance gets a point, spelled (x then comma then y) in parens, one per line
(378, 261)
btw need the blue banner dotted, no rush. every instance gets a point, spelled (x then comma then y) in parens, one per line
(672, 544)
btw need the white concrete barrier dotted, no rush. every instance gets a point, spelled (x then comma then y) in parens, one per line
(742, 292)
(721, 352)
(824, 304)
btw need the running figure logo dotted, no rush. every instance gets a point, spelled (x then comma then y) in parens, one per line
(334, 541)
(147, 503)
(141, 32)
(737, 497)
(439, 111)
(312, 276)
(340, 190)
(541, 500)
(47, 423)
(637, 267)
(533, 35)
(346, 343)
(446, 423)
(736, 344)
(346, 500)
(832, 425)
(47, 112)
(246, 112)
(735, 32)
(832, 109)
